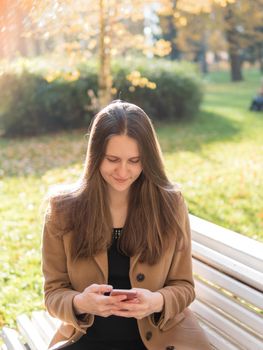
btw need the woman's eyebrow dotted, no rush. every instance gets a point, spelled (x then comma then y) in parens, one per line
(111, 155)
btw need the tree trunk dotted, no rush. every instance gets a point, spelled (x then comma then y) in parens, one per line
(20, 39)
(203, 52)
(105, 79)
(169, 32)
(204, 65)
(236, 66)
(234, 55)
(6, 40)
(232, 37)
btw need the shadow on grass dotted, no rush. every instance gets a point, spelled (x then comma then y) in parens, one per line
(232, 102)
(191, 135)
(34, 156)
(37, 155)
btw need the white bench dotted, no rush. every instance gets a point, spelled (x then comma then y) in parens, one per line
(228, 270)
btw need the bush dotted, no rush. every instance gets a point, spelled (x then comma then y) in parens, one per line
(29, 104)
(178, 91)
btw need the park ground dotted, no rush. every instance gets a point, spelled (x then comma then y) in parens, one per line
(217, 158)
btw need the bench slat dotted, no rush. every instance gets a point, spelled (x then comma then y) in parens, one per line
(244, 292)
(238, 247)
(30, 333)
(229, 266)
(216, 339)
(45, 328)
(54, 322)
(229, 306)
(12, 339)
(231, 331)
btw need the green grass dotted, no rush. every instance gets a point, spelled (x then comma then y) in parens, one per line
(217, 158)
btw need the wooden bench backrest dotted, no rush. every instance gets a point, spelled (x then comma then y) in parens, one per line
(228, 271)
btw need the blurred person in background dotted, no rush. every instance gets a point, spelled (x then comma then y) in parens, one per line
(257, 102)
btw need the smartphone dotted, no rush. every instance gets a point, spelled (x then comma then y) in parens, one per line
(130, 294)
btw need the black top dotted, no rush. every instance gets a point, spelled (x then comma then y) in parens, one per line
(113, 332)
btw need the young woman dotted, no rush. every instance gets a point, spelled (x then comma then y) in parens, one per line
(124, 226)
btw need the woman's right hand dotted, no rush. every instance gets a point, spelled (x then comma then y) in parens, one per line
(93, 301)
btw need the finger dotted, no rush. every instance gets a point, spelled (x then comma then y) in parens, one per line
(129, 314)
(140, 294)
(128, 307)
(117, 299)
(104, 310)
(104, 315)
(132, 301)
(112, 300)
(100, 288)
(125, 313)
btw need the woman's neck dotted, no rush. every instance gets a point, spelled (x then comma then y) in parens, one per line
(118, 208)
(118, 199)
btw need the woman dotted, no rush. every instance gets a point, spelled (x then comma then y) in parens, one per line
(123, 226)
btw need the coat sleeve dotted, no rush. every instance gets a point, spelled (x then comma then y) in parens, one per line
(178, 291)
(58, 292)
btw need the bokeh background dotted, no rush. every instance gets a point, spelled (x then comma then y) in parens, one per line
(194, 66)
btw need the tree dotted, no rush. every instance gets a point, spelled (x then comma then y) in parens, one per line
(84, 28)
(234, 23)
(11, 22)
(241, 21)
(105, 28)
(193, 38)
(14, 25)
(232, 36)
(193, 23)
(168, 28)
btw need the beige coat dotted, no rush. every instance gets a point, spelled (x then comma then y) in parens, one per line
(177, 327)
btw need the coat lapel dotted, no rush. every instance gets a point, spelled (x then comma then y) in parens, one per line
(133, 261)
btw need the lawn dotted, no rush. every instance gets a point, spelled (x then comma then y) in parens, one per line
(217, 159)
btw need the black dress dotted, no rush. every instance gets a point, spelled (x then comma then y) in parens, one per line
(113, 332)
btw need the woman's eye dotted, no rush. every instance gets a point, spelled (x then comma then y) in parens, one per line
(134, 161)
(115, 160)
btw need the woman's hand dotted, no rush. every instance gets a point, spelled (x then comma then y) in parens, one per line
(93, 301)
(146, 303)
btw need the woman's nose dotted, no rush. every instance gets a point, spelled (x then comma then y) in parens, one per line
(122, 170)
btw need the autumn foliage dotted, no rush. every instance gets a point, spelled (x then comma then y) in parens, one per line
(35, 103)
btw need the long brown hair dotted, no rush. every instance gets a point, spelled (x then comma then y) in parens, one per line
(152, 220)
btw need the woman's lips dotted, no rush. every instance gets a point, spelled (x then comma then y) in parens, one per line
(120, 180)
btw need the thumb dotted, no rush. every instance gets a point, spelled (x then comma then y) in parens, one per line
(100, 288)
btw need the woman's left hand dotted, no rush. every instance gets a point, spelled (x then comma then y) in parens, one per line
(146, 303)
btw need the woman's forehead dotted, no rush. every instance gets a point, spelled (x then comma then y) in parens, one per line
(122, 145)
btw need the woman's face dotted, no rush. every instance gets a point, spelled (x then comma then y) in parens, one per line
(121, 165)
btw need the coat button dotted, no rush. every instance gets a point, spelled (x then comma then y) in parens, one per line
(140, 277)
(170, 347)
(148, 335)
